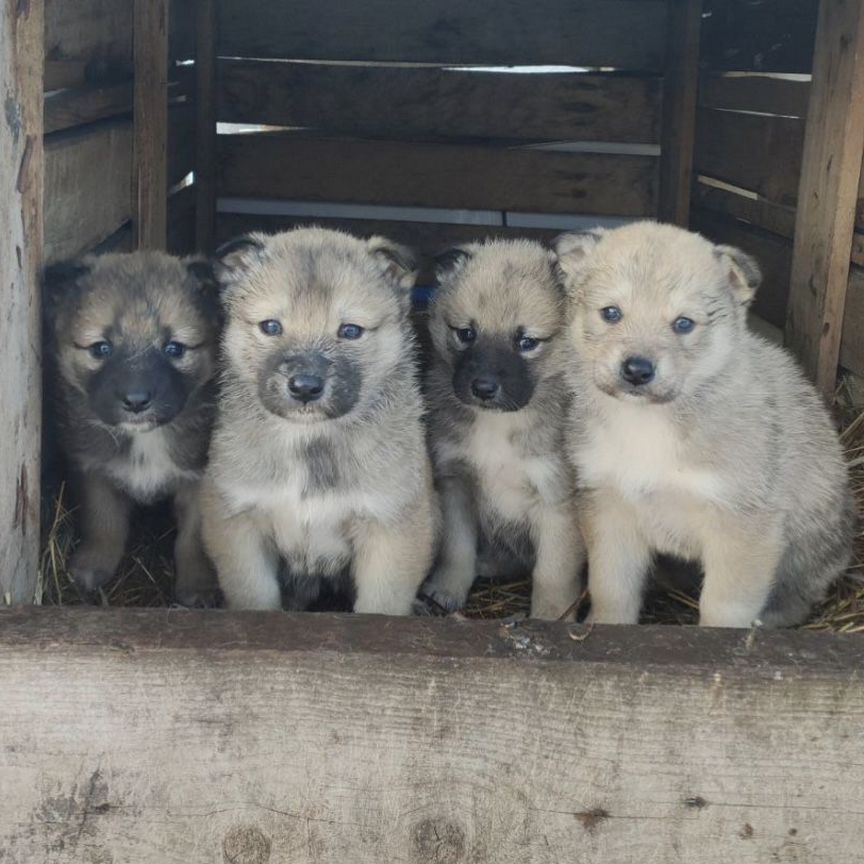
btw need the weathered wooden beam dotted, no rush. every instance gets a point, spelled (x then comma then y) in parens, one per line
(158, 736)
(833, 142)
(681, 86)
(205, 124)
(150, 171)
(21, 165)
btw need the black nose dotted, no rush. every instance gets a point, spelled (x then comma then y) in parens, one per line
(136, 401)
(306, 388)
(484, 388)
(637, 370)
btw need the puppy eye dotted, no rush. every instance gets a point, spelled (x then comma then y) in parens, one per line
(611, 314)
(466, 335)
(526, 344)
(175, 350)
(683, 325)
(270, 327)
(100, 350)
(350, 331)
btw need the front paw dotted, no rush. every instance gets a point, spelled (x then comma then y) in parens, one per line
(202, 597)
(90, 569)
(442, 595)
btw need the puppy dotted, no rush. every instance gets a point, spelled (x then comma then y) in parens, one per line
(497, 408)
(693, 436)
(132, 350)
(319, 473)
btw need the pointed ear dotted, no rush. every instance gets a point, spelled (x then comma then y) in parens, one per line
(238, 255)
(397, 263)
(745, 275)
(62, 285)
(449, 263)
(207, 284)
(574, 249)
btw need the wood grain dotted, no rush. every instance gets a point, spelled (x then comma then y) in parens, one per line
(626, 34)
(825, 219)
(208, 79)
(198, 737)
(434, 175)
(434, 104)
(21, 167)
(852, 342)
(74, 107)
(757, 211)
(755, 93)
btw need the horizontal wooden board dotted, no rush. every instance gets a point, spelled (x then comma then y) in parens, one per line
(159, 737)
(627, 34)
(759, 35)
(757, 211)
(430, 103)
(75, 107)
(852, 342)
(88, 187)
(755, 93)
(434, 175)
(759, 153)
(774, 254)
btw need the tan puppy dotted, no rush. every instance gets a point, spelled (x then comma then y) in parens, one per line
(693, 436)
(319, 473)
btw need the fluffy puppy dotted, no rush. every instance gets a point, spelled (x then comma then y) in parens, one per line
(693, 436)
(497, 407)
(318, 469)
(131, 364)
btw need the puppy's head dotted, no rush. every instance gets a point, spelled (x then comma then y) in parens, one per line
(495, 318)
(658, 310)
(317, 320)
(133, 335)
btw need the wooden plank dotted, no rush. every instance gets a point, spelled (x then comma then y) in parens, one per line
(149, 176)
(70, 108)
(181, 142)
(857, 256)
(434, 175)
(434, 104)
(88, 191)
(762, 154)
(852, 343)
(371, 740)
(207, 87)
(759, 35)
(21, 173)
(774, 254)
(181, 30)
(829, 180)
(764, 214)
(181, 221)
(88, 41)
(626, 34)
(679, 111)
(760, 93)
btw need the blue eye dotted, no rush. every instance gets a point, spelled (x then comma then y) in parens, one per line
(683, 325)
(527, 343)
(466, 335)
(350, 331)
(270, 327)
(99, 350)
(175, 350)
(611, 314)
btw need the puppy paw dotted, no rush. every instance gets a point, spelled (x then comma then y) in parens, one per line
(440, 601)
(90, 570)
(192, 597)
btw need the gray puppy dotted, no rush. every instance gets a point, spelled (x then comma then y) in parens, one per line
(497, 405)
(131, 360)
(693, 436)
(319, 474)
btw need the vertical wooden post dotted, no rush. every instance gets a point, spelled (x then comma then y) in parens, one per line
(151, 123)
(205, 124)
(827, 191)
(21, 64)
(680, 88)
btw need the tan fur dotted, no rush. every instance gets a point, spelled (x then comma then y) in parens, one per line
(313, 494)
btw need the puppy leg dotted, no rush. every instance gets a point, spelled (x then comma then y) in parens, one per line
(618, 560)
(104, 516)
(195, 583)
(740, 563)
(560, 554)
(457, 565)
(247, 565)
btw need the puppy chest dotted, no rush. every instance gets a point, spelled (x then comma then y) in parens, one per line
(147, 471)
(310, 540)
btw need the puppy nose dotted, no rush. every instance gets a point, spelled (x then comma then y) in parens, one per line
(484, 388)
(136, 401)
(306, 388)
(637, 370)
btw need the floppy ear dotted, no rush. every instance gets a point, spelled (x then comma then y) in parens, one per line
(61, 285)
(237, 255)
(397, 263)
(745, 275)
(450, 262)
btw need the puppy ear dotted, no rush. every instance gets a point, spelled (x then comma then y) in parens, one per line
(61, 285)
(203, 273)
(451, 262)
(398, 263)
(745, 275)
(238, 255)
(573, 250)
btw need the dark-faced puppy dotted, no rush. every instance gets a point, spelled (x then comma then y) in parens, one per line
(319, 467)
(132, 351)
(497, 404)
